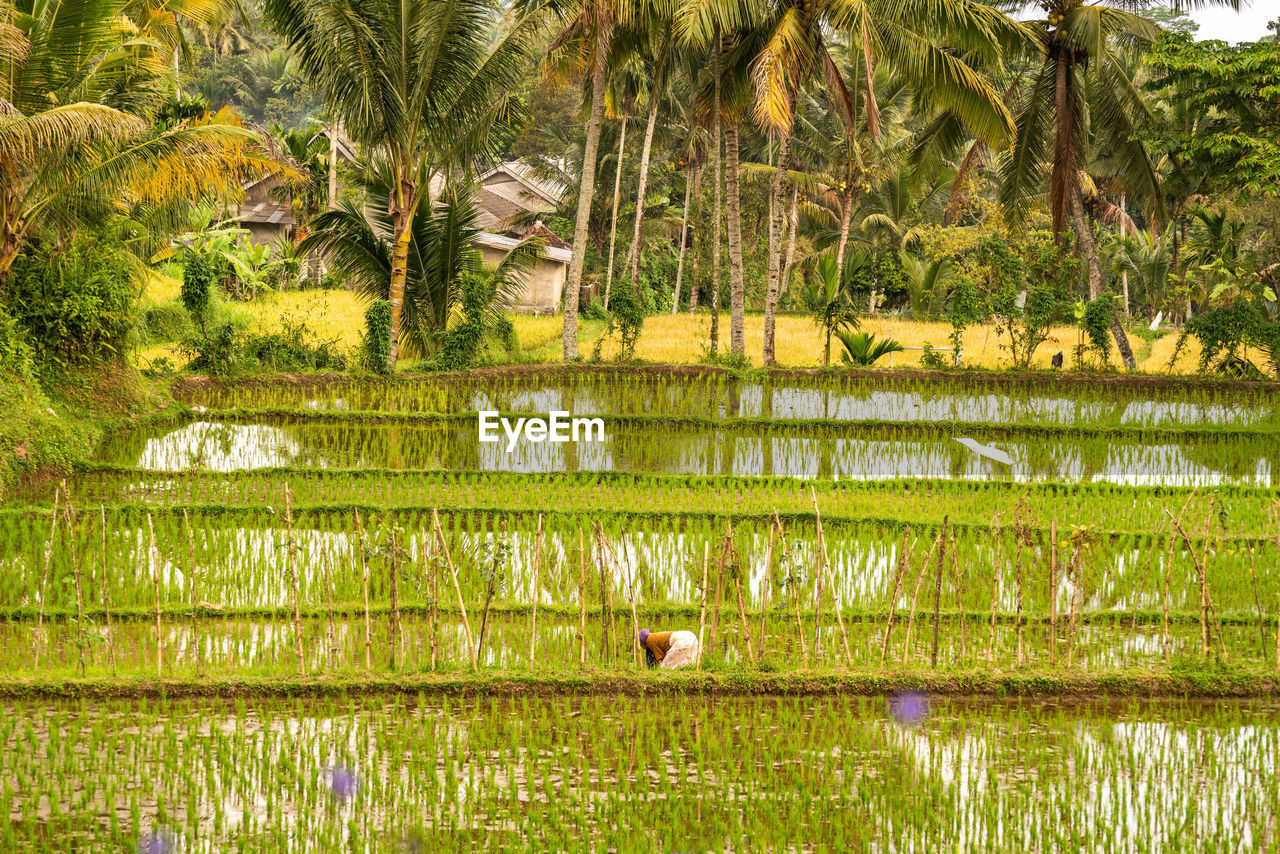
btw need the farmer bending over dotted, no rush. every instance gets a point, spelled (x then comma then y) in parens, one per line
(669, 649)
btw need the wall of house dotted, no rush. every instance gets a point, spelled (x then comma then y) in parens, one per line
(542, 288)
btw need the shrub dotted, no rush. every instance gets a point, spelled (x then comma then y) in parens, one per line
(197, 289)
(73, 303)
(15, 355)
(1096, 323)
(377, 337)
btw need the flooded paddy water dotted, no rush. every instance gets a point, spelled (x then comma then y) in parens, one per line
(326, 529)
(817, 773)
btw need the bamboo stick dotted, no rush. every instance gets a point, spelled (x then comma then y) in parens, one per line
(702, 615)
(825, 564)
(457, 588)
(719, 594)
(1076, 571)
(435, 601)
(364, 580)
(904, 562)
(915, 597)
(1018, 540)
(765, 594)
(393, 642)
(537, 571)
(959, 583)
(995, 588)
(106, 593)
(795, 589)
(937, 594)
(70, 519)
(582, 601)
(155, 580)
(736, 574)
(191, 587)
(327, 568)
(44, 576)
(293, 578)
(1053, 592)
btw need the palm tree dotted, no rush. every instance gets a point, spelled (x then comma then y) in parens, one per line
(77, 102)
(1147, 258)
(1084, 93)
(919, 37)
(443, 250)
(424, 84)
(862, 348)
(829, 297)
(582, 46)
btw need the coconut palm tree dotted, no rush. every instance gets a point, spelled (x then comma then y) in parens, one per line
(1083, 94)
(425, 84)
(922, 39)
(359, 241)
(78, 95)
(581, 47)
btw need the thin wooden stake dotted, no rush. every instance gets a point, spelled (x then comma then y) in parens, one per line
(1019, 537)
(1053, 593)
(937, 594)
(915, 597)
(765, 594)
(393, 642)
(457, 588)
(191, 587)
(995, 588)
(293, 578)
(106, 593)
(364, 577)
(582, 601)
(44, 577)
(155, 580)
(702, 614)
(69, 516)
(795, 589)
(537, 572)
(822, 568)
(327, 568)
(904, 562)
(434, 551)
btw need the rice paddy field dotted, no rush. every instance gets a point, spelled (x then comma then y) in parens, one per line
(318, 614)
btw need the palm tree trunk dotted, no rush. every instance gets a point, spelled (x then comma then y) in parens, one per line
(402, 232)
(699, 240)
(775, 243)
(793, 225)
(586, 189)
(737, 297)
(684, 238)
(613, 220)
(715, 237)
(846, 216)
(1097, 281)
(641, 187)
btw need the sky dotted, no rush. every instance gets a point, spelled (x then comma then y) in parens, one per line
(1247, 25)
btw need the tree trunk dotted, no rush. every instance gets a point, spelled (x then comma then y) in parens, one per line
(715, 236)
(1097, 281)
(846, 215)
(583, 217)
(334, 133)
(737, 298)
(775, 244)
(613, 220)
(641, 188)
(402, 232)
(793, 225)
(699, 240)
(684, 239)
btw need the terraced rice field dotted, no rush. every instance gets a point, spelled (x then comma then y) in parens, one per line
(806, 526)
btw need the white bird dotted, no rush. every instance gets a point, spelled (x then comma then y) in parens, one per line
(985, 450)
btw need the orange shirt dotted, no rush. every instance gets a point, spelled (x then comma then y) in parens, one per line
(659, 644)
